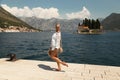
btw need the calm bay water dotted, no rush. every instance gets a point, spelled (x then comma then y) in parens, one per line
(103, 49)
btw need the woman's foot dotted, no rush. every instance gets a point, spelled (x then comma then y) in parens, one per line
(57, 69)
(65, 64)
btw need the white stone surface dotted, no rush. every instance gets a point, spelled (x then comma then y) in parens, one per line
(44, 70)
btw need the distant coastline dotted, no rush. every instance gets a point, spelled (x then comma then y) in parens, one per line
(17, 29)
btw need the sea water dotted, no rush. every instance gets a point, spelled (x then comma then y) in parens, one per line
(101, 49)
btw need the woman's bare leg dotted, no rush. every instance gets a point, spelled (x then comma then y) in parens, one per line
(54, 56)
(59, 68)
(59, 61)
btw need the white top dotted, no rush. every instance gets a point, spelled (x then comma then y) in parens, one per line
(55, 42)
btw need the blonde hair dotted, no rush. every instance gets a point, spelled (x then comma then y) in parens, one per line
(57, 25)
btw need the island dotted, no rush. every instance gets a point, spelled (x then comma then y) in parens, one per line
(89, 26)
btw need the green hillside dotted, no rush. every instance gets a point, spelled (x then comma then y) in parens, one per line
(112, 22)
(7, 19)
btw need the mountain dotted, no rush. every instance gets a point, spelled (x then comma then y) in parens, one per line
(7, 21)
(112, 22)
(49, 24)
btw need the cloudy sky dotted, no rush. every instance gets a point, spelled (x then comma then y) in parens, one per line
(68, 9)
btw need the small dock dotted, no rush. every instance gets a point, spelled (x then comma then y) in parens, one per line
(44, 70)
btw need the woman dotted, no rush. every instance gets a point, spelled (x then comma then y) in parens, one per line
(55, 47)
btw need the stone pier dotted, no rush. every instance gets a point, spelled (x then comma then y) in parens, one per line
(45, 70)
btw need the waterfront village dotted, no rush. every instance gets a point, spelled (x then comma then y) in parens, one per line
(17, 29)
